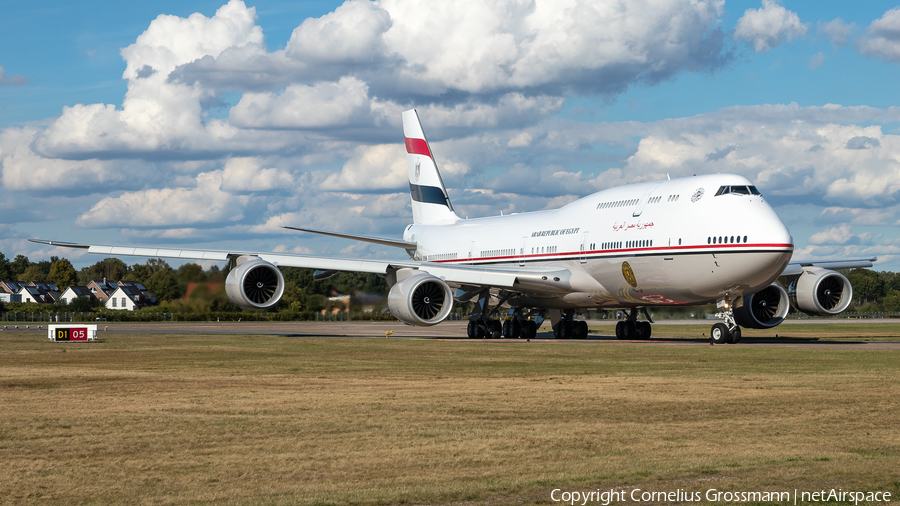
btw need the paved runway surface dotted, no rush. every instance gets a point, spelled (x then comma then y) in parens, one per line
(455, 330)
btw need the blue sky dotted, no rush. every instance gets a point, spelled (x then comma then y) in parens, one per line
(198, 142)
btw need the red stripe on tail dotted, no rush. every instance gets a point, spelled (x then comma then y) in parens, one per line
(417, 147)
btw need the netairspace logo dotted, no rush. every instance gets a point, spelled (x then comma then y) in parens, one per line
(613, 496)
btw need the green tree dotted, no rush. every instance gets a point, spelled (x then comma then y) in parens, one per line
(45, 266)
(139, 273)
(80, 304)
(215, 275)
(164, 285)
(866, 282)
(190, 273)
(33, 273)
(63, 274)
(143, 272)
(5, 271)
(112, 269)
(18, 266)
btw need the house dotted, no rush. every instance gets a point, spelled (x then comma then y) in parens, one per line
(344, 303)
(34, 294)
(129, 298)
(11, 286)
(210, 286)
(149, 296)
(101, 289)
(77, 291)
(45, 285)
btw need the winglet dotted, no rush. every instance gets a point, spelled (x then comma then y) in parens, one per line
(60, 243)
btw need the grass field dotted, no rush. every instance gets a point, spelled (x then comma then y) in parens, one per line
(839, 330)
(175, 419)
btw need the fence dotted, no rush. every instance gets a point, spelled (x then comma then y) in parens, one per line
(129, 316)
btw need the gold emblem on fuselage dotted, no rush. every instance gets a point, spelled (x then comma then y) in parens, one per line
(629, 274)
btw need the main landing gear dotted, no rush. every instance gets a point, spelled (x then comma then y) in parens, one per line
(631, 328)
(569, 328)
(481, 326)
(728, 332)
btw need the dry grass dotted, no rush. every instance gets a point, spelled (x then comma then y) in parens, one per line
(272, 420)
(838, 330)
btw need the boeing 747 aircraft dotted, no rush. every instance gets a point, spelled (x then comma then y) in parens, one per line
(680, 242)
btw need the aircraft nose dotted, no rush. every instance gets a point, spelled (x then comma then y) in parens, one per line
(777, 233)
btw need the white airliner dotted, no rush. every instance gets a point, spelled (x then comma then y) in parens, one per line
(680, 242)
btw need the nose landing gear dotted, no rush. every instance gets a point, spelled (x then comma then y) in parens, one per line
(729, 331)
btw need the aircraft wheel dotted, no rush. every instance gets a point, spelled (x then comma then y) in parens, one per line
(566, 331)
(736, 336)
(505, 330)
(720, 333)
(515, 328)
(620, 330)
(647, 329)
(471, 329)
(496, 329)
(529, 329)
(580, 329)
(639, 330)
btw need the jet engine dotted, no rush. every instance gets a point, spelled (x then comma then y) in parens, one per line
(820, 292)
(420, 299)
(764, 309)
(254, 283)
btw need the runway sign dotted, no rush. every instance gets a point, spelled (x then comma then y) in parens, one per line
(70, 333)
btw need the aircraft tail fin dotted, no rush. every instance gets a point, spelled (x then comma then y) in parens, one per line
(430, 203)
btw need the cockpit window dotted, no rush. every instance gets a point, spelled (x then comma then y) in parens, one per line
(738, 190)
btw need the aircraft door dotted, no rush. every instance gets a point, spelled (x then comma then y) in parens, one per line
(522, 251)
(585, 247)
(643, 201)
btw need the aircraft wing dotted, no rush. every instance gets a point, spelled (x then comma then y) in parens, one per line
(795, 267)
(375, 240)
(547, 279)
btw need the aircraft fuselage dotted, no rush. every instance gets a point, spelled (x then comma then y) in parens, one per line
(680, 242)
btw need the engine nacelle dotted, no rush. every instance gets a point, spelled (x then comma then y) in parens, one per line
(820, 292)
(420, 299)
(254, 283)
(764, 309)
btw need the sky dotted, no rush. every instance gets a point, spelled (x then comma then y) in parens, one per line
(210, 125)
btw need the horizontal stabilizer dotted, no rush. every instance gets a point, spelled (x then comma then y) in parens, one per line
(376, 240)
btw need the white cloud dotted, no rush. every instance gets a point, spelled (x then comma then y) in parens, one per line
(783, 154)
(13, 80)
(371, 168)
(769, 26)
(300, 250)
(835, 235)
(817, 60)
(883, 41)
(836, 30)
(22, 169)
(246, 174)
(322, 105)
(166, 207)
(352, 34)
(402, 49)
(156, 115)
